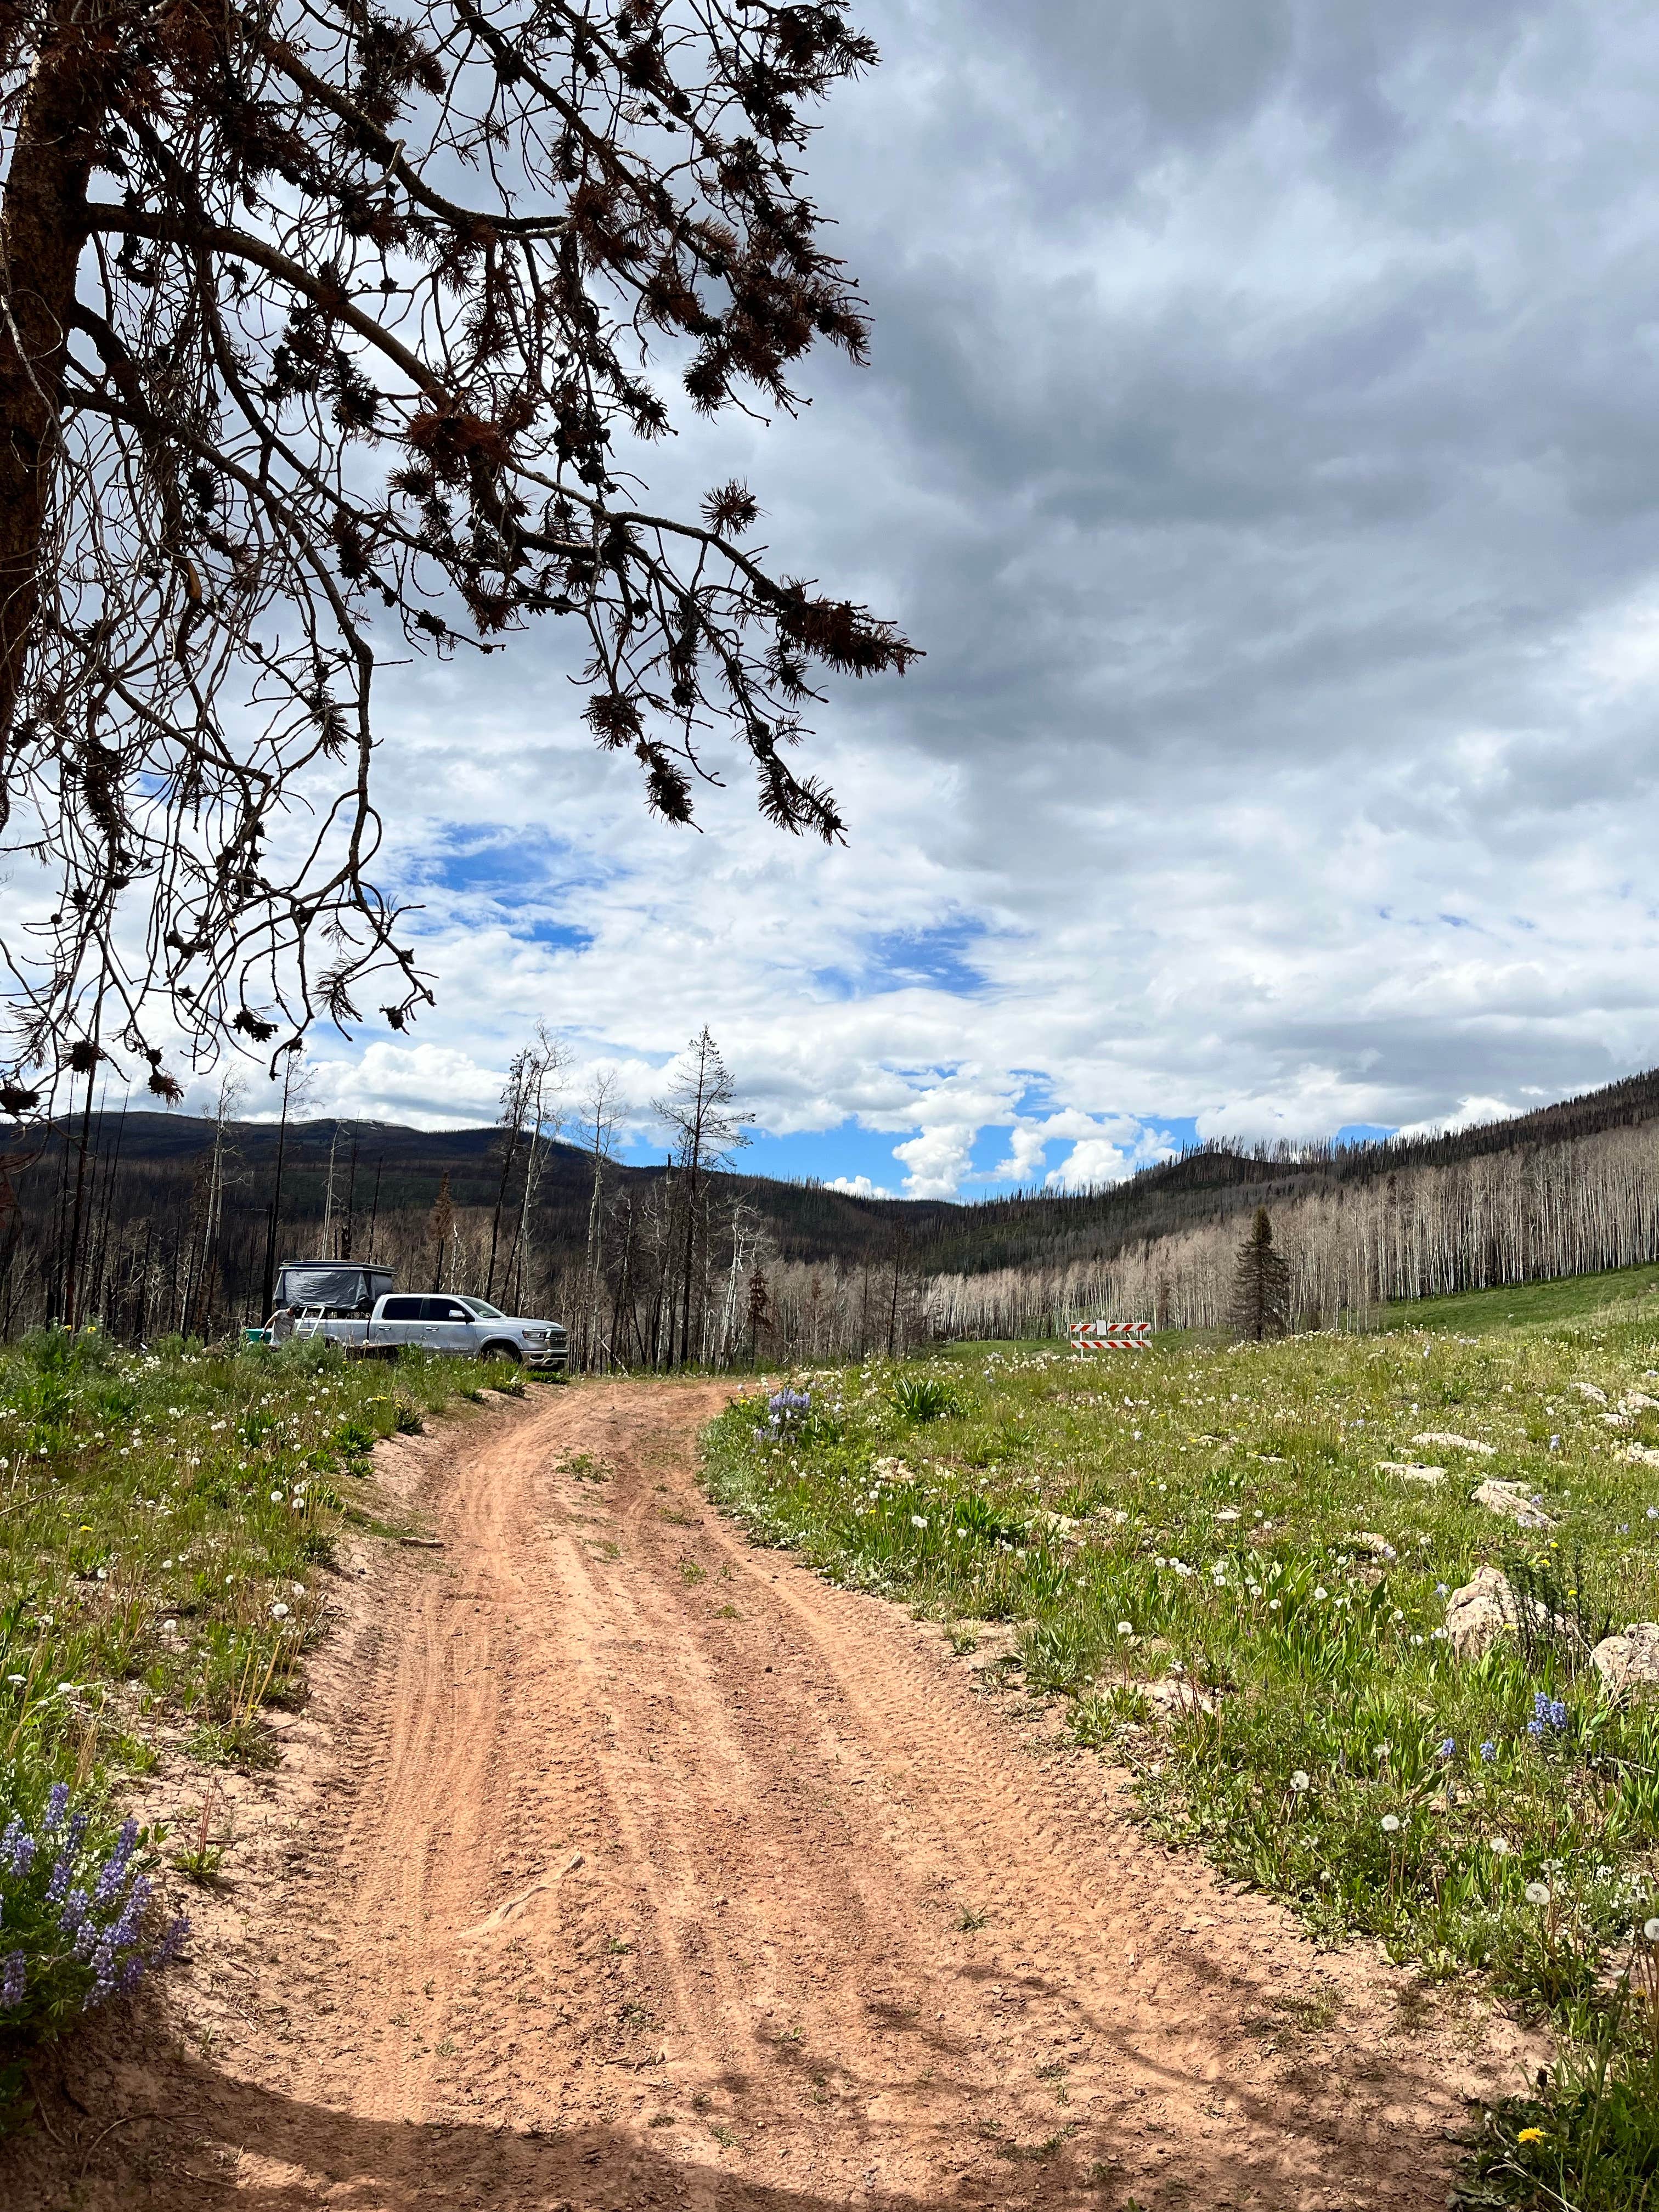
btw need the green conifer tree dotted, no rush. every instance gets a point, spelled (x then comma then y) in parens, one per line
(1261, 1285)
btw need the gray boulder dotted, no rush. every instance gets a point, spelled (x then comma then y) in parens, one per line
(1624, 1661)
(1510, 1499)
(1478, 1614)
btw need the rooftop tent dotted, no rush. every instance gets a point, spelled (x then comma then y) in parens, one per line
(337, 1286)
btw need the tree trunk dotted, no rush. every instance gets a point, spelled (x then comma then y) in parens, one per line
(42, 235)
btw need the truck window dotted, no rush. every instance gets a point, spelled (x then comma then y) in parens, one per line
(401, 1309)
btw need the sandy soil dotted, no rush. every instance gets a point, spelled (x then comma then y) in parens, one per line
(616, 1863)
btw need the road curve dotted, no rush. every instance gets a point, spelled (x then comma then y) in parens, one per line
(626, 1864)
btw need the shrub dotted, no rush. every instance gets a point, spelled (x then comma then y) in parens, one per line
(78, 1918)
(923, 1398)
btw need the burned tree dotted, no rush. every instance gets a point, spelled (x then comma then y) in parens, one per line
(699, 1107)
(332, 331)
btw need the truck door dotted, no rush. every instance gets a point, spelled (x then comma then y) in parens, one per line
(446, 1326)
(398, 1322)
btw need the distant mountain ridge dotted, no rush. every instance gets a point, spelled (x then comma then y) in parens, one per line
(399, 1169)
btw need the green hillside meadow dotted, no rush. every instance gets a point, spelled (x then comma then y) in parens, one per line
(1209, 1560)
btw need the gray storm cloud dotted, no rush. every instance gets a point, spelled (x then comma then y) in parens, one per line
(1260, 440)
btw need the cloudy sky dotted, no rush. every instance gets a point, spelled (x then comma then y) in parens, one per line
(1262, 440)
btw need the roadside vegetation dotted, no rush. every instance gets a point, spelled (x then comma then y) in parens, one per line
(1234, 1563)
(167, 1518)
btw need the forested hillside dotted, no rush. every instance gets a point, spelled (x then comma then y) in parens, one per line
(157, 1222)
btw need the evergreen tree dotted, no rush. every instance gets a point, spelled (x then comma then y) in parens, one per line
(1261, 1285)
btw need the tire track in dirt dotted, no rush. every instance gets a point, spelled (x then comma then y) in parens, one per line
(630, 1865)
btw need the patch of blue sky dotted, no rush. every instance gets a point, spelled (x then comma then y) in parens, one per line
(505, 864)
(850, 1154)
(1364, 1133)
(939, 958)
(1178, 1132)
(563, 936)
(845, 1153)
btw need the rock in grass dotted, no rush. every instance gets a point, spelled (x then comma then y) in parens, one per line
(1373, 1545)
(1640, 1454)
(1510, 1499)
(1457, 1444)
(1409, 1471)
(1478, 1614)
(1624, 1661)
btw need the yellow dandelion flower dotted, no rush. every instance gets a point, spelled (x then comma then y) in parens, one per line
(1530, 2136)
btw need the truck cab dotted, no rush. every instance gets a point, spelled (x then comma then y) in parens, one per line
(451, 1322)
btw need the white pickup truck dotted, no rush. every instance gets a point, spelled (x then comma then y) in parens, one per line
(464, 1327)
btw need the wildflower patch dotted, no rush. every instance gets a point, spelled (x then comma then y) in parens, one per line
(1237, 1576)
(164, 1519)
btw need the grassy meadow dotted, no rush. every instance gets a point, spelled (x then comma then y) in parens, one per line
(166, 1521)
(1214, 1555)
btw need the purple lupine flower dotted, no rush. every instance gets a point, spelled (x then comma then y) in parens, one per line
(58, 1887)
(125, 1933)
(783, 1405)
(56, 1804)
(1448, 1748)
(115, 1870)
(79, 1823)
(1489, 1750)
(18, 1847)
(87, 1939)
(74, 1912)
(173, 1942)
(13, 1981)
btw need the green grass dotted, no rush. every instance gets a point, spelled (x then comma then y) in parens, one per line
(1570, 1298)
(167, 1520)
(1207, 1560)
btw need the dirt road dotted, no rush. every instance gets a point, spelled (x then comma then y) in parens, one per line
(617, 1864)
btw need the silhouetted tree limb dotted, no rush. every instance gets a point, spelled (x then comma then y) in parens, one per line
(324, 331)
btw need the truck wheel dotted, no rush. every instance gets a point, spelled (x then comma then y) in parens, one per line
(493, 1352)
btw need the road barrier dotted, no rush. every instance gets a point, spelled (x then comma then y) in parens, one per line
(1111, 1336)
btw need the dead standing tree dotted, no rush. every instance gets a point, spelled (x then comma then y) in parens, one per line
(328, 332)
(699, 1108)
